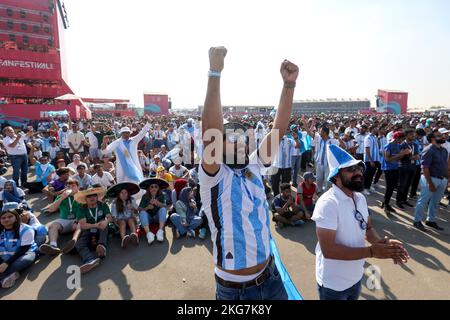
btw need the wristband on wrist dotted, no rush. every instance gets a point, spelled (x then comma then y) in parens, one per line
(214, 74)
(289, 85)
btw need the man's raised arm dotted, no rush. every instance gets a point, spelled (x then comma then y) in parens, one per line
(268, 148)
(212, 117)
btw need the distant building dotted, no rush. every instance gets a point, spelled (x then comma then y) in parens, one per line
(244, 109)
(157, 104)
(392, 101)
(351, 106)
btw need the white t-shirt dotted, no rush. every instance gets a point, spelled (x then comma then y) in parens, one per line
(76, 139)
(104, 181)
(19, 192)
(74, 166)
(19, 149)
(93, 141)
(179, 173)
(447, 146)
(336, 211)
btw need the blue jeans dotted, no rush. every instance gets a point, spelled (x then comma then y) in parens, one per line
(20, 264)
(193, 224)
(296, 163)
(351, 293)
(432, 197)
(146, 219)
(271, 289)
(20, 168)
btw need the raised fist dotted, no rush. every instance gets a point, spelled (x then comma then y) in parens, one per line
(216, 58)
(289, 71)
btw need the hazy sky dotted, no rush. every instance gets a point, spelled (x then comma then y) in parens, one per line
(346, 48)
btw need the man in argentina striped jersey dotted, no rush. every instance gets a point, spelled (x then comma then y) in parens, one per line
(233, 194)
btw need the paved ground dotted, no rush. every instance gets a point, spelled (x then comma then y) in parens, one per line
(183, 269)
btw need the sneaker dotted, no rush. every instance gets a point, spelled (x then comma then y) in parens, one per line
(367, 192)
(101, 251)
(134, 239)
(420, 226)
(202, 233)
(49, 249)
(177, 234)
(85, 268)
(191, 234)
(413, 197)
(10, 280)
(443, 204)
(150, 238)
(406, 203)
(69, 246)
(125, 241)
(160, 235)
(434, 225)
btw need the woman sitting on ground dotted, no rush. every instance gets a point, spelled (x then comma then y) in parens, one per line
(152, 208)
(18, 249)
(11, 193)
(186, 218)
(124, 210)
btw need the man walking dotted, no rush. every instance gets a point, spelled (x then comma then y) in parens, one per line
(433, 182)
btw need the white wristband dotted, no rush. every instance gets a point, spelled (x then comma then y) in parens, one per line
(215, 74)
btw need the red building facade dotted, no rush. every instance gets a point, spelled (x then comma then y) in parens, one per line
(32, 69)
(392, 101)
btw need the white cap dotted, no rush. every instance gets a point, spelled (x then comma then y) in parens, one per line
(444, 131)
(125, 129)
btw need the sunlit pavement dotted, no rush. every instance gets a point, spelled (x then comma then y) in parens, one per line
(183, 268)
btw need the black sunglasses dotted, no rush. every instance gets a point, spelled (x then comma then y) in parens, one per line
(359, 217)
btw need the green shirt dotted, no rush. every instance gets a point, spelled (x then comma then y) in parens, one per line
(145, 201)
(68, 209)
(94, 215)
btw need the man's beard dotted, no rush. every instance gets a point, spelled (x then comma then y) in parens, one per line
(356, 183)
(237, 162)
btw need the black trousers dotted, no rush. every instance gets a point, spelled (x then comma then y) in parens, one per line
(416, 180)
(378, 175)
(282, 174)
(370, 173)
(405, 177)
(306, 158)
(35, 187)
(391, 177)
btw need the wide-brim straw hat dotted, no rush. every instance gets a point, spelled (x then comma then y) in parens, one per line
(80, 196)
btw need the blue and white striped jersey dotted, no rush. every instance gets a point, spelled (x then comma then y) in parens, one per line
(360, 141)
(235, 204)
(320, 155)
(284, 157)
(371, 142)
